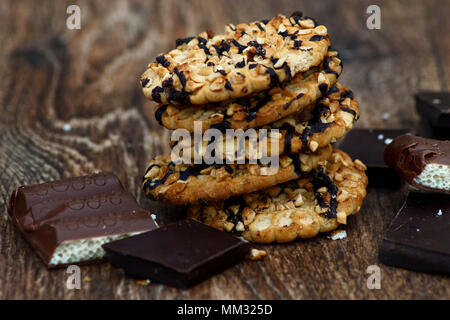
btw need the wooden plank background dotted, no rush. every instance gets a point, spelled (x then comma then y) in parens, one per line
(70, 104)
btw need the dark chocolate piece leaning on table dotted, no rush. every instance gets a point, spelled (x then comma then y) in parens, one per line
(180, 254)
(67, 221)
(423, 163)
(418, 238)
(435, 108)
(426, 130)
(368, 146)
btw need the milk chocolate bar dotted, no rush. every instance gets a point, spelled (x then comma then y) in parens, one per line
(418, 238)
(435, 108)
(67, 221)
(180, 254)
(368, 146)
(423, 163)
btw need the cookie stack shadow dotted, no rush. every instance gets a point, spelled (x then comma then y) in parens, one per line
(280, 75)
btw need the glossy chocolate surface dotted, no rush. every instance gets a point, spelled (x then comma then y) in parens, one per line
(50, 214)
(408, 155)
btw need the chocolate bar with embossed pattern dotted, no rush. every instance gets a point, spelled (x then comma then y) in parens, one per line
(67, 221)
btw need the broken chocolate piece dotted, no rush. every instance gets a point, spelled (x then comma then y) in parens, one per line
(67, 221)
(180, 254)
(418, 238)
(368, 146)
(423, 163)
(434, 107)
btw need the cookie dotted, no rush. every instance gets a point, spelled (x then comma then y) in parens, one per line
(258, 109)
(247, 58)
(316, 202)
(331, 117)
(189, 184)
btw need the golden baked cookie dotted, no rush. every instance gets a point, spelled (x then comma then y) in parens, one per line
(317, 202)
(330, 118)
(247, 58)
(258, 109)
(189, 184)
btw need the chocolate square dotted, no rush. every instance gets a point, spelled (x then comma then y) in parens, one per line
(434, 107)
(180, 254)
(419, 237)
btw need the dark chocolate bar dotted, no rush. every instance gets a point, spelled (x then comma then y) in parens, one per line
(180, 254)
(418, 238)
(434, 107)
(423, 163)
(368, 146)
(67, 221)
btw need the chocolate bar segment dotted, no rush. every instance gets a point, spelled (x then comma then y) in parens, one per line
(368, 146)
(418, 238)
(423, 163)
(180, 254)
(434, 107)
(67, 221)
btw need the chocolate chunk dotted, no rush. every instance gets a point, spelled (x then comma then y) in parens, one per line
(418, 238)
(228, 85)
(204, 48)
(323, 87)
(159, 113)
(297, 43)
(368, 146)
(181, 41)
(316, 38)
(180, 254)
(240, 47)
(434, 107)
(162, 60)
(156, 94)
(240, 64)
(67, 221)
(423, 163)
(222, 72)
(144, 82)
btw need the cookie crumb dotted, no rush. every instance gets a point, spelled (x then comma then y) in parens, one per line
(338, 235)
(143, 282)
(256, 254)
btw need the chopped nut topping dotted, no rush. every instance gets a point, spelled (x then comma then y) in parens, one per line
(256, 254)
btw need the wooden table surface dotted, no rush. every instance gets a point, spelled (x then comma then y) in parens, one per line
(70, 104)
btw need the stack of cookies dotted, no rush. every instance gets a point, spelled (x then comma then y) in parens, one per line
(278, 75)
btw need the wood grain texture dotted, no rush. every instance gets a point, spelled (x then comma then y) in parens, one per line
(70, 104)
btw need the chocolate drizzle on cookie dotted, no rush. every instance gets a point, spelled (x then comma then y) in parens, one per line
(159, 113)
